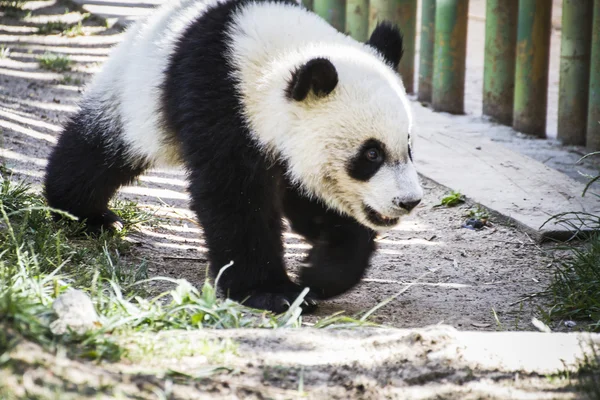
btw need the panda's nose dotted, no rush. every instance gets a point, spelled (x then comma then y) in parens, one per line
(407, 205)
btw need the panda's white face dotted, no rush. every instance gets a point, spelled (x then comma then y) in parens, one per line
(330, 107)
(352, 146)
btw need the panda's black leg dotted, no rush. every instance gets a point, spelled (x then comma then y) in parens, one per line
(342, 247)
(84, 171)
(238, 206)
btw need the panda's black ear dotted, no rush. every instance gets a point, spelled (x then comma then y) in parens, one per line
(387, 39)
(318, 75)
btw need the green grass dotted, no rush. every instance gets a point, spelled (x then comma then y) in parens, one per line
(4, 51)
(576, 286)
(589, 374)
(55, 62)
(14, 9)
(586, 378)
(69, 80)
(74, 30)
(52, 27)
(478, 213)
(66, 29)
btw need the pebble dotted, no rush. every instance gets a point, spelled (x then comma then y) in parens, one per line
(75, 311)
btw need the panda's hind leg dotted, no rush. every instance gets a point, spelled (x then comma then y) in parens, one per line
(85, 169)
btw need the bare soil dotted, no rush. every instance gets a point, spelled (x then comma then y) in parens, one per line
(483, 280)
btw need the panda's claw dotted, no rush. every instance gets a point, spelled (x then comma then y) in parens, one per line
(279, 302)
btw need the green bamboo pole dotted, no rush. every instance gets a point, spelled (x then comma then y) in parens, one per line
(499, 63)
(404, 14)
(593, 120)
(449, 55)
(574, 71)
(333, 11)
(308, 4)
(531, 69)
(357, 19)
(427, 46)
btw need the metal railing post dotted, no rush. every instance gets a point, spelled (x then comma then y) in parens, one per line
(499, 63)
(426, 52)
(357, 19)
(531, 70)
(593, 118)
(574, 71)
(449, 64)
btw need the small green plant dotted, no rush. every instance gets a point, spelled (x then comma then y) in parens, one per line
(14, 9)
(66, 29)
(69, 80)
(52, 27)
(4, 51)
(74, 30)
(478, 213)
(55, 62)
(453, 199)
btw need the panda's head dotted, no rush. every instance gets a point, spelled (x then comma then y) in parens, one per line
(349, 128)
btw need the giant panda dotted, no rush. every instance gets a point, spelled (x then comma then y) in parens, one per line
(274, 114)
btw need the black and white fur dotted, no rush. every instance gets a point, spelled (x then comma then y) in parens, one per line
(274, 114)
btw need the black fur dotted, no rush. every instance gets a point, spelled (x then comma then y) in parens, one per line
(239, 196)
(361, 167)
(341, 249)
(84, 171)
(387, 39)
(318, 75)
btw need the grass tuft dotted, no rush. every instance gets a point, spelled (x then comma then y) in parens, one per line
(14, 9)
(52, 27)
(55, 62)
(63, 28)
(74, 30)
(4, 51)
(576, 285)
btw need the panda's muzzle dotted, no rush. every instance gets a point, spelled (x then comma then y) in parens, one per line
(378, 219)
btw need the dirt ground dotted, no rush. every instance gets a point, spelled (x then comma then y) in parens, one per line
(476, 280)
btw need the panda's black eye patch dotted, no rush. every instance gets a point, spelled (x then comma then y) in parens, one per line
(367, 161)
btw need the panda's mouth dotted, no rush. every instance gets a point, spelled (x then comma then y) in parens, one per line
(378, 219)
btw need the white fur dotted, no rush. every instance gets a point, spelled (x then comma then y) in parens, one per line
(131, 78)
(319, 136)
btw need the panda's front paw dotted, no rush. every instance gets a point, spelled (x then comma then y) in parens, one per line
(279, 301)
(107, 221)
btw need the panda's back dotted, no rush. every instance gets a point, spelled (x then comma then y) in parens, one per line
(132, 84)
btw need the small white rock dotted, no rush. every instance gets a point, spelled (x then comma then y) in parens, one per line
(76, 311)
(570, 324)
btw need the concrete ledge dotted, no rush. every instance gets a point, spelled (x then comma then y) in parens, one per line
(456, 154)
